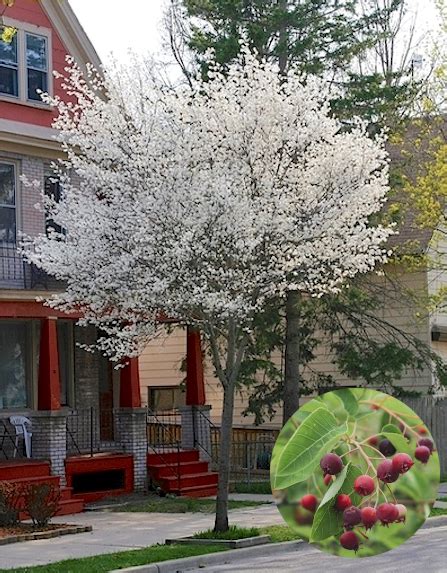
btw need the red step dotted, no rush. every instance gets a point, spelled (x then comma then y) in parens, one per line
(70, 506)
(198, 491)
(185, 468)
(55, 480)
(17, 469)
(173, 483)
(172, 456)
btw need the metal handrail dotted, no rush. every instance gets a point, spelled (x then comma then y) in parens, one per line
(174, 468)
(197, 443)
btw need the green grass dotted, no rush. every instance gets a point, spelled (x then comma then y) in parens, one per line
(104, 563)
(436, 511)
(279, 533)
(262, 487)
(234, 532)
(442, 499)
(179, 505)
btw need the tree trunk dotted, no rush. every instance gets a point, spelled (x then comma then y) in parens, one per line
(221, 522)
(291, 392)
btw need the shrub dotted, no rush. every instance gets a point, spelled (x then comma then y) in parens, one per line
(11, 496)
(42, 502)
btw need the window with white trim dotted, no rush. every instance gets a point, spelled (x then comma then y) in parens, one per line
(25, 66)
(9, 68)
(7, 203)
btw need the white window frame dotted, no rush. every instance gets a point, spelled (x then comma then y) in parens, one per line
(23, 29)
(16, 166)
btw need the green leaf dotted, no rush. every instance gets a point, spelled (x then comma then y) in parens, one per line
(390, 428)
(301, 455)
(349, 400)
(328, 521)
(399, 442)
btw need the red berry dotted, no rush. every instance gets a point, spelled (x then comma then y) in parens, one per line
(427, 443)
(387, 513)
(402, 463)
(422, 454)
(349, 540)
(331, 464)
(386, 472)
(364, 485)
(402, 512)
(422, 430)
(309, 502)
(369, 517)
(387, 448)
(343, 501)
(373, 441)
(327, 479)
(352, 516)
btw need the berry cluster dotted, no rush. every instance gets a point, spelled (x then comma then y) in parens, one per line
(387, 471)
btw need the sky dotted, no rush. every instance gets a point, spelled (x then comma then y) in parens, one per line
(114, 29)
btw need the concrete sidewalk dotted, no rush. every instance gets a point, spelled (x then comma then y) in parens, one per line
(113, 532)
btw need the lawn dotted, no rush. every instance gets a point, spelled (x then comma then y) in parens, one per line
(262, 487)
(436, 512)
(234, 532)
(104, 563)
(179, 505)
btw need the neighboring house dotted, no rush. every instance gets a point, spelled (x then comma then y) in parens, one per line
(160, 365)
(88, 427)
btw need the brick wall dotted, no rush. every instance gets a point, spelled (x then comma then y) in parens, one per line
(50, 440)
(131, 430)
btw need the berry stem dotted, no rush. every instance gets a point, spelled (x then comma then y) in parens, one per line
(364, 456)
(391, 413)
(391, 492)
(366, 445)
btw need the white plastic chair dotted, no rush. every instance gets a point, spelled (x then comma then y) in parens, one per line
(22, 426)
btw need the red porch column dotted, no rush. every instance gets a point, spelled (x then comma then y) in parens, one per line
(130, 396)
(49, 386)
(195, 385)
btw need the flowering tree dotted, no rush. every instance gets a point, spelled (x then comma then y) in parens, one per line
(203, 205)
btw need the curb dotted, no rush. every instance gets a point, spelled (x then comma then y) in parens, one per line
(439, 521)
(180, 565)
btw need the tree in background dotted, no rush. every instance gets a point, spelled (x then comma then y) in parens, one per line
(204, 205)
(367, 49)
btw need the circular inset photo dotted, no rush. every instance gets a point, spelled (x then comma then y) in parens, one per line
(355, 472)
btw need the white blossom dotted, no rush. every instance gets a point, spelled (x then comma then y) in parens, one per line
(201, 205)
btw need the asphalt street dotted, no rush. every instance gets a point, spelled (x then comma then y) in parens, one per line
(426, 552)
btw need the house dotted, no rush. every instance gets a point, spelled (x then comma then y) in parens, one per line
(89, 431)
(162, 375)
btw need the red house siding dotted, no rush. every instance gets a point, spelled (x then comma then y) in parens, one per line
(31, 12)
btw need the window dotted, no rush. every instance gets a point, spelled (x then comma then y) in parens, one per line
(7, 203)
(36, 65)
(25, 63)
(166, 398)
(18, 360)
(9, 68)
(53, 191)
